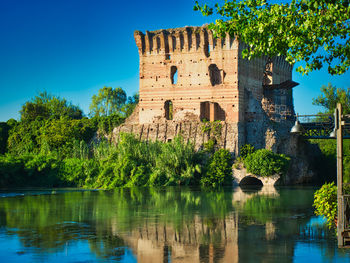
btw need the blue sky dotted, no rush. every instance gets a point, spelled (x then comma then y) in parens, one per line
(71, 48)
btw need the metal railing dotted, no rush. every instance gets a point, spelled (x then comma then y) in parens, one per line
(320, 126)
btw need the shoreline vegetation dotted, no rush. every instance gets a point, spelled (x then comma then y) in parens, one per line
(54, 145)
(129, 162)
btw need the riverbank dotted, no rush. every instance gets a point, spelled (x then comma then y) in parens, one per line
(130, 162)
(133, 162)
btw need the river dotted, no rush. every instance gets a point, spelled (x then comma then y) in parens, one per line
(173, 224)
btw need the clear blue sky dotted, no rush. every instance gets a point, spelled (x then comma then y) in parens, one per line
(71, 48)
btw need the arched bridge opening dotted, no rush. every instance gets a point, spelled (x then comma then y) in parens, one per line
(249, 180)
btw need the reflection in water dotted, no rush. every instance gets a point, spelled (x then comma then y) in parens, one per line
(163, 225)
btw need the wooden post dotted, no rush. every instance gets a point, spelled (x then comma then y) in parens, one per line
(340, 226)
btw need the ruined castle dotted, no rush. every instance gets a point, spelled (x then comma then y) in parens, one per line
(188, 77)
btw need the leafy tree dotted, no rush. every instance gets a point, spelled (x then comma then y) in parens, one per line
(332, 95)
(49, 135)
(108, 101)
(45, 106)
(129, 107)
(59, 134)
(314, 31)
(23, 137)
(106, 124)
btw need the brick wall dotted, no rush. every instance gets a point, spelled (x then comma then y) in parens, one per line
(187, 75)
(206, 71)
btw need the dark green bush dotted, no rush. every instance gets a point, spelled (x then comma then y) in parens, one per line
(29, 170)
(209, 146)
(219, 171)
(11, 171)
(264, 162)
(245, 150)
(4, 134)
(326, 165)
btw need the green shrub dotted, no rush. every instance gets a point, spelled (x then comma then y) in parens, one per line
(41, 170)
(29, 170)
(11, 171)
(209, 146)
(177, 164)
(325, 203)
(264, 162)
(4, 134)
(245, 150)
(106, 124)
(219, 171)
(137, 163)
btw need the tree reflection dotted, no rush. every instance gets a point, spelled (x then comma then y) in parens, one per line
(160, 224)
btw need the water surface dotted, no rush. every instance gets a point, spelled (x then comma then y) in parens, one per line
(164, 225)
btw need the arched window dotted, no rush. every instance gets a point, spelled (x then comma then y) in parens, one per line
(173, 74)
(211, 111)
(214, 74)
(168, 107)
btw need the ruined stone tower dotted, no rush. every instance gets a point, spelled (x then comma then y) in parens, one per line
(187, 76)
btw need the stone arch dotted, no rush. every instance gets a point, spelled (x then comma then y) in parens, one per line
(168, 109)
(250, 180)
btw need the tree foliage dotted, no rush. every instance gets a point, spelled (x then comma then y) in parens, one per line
(314, 31)
(332, 95)
(108, 101)
(53, 135)
(130, 105)
(45, 106)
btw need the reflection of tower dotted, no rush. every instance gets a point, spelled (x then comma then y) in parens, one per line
(207, 239)
(199, 240)
(231, 249)
(257, 235)
(270, 230)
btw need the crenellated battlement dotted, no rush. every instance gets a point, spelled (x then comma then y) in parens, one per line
(181, 40)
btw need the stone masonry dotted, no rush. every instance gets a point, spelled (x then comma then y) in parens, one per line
(188, 76)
